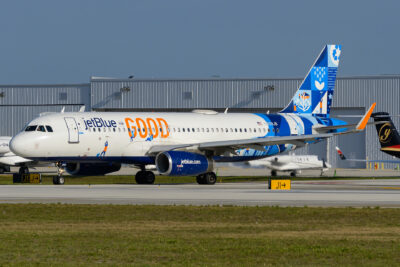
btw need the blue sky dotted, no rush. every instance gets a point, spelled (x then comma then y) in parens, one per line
(68, 41)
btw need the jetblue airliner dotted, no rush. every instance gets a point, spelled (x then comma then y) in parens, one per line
(186, 143)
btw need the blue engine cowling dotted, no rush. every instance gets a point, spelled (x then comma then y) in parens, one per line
(89, 169)
(180, 163)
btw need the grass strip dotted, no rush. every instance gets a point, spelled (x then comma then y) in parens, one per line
(63, 234)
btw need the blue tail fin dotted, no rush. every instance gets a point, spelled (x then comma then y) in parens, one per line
(315, 93)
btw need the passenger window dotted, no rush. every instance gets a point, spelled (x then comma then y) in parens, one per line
(114, 130)
(208, 130)
(94, 129)
(31, 128)
(235, 130)
(188, 129)
(245, 130)
(119, 129)
(198, 130)
(179, 130)
(255, 130)
(41, 128)
(160, 130)
(226, 129)
(231, 130)
(192, 129)
(49, 129)
(259, 130)
(183, 129)
(212, 129)
(202, 129)
(216, 129)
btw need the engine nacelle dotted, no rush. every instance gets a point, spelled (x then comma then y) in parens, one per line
(89, 169)
(180, 163)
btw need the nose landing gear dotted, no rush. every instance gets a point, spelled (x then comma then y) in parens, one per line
(59, 179)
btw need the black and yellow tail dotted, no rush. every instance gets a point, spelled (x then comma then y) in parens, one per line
(387, 134)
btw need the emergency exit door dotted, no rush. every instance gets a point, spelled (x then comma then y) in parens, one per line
(73, 132)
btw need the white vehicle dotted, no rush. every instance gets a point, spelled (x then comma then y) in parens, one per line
(290, 163)
(8, 158)
(181, 144)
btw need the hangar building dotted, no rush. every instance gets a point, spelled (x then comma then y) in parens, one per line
(353, 95)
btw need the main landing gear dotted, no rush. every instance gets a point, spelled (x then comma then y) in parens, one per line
(59, 179)
(206, 178)
(23, 170)
(145, 177)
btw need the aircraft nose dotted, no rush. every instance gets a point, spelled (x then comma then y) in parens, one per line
(19, 146)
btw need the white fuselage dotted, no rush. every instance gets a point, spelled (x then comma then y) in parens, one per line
(127, 137)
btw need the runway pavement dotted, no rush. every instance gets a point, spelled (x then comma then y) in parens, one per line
(236, 171)
(321, 193)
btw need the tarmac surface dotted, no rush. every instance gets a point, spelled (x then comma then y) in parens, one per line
(318, 193)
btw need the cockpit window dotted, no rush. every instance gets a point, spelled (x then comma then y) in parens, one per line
(41, 129)
(49, 129)
(31, 128)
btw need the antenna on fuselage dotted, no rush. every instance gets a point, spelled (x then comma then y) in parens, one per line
(63, 109)
(226, 111)
(82, 109)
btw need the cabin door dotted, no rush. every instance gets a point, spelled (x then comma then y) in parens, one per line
(73, 132)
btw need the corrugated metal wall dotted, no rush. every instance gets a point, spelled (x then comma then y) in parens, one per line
(21, 103)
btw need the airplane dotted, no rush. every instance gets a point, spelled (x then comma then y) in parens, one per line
(388, 136)
(289, 163)
(8, 158)
(181, 144)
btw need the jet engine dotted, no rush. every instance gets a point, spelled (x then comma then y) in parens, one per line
(79, 168)
(180, 163)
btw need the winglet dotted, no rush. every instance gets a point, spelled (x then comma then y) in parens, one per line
(364, 120)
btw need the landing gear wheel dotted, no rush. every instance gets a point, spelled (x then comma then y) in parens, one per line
(210, 178)
(201, 179)
(23, 170)
(293, 174)
(58, 180)
(273, 173)
(145, 177)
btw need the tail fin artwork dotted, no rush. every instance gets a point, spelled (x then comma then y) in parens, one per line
(315, 94)
(387, 134)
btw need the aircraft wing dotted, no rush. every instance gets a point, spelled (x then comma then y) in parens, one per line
(256, 143)
(259, 143)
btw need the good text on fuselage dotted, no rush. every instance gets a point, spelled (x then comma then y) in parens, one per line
(147, 127)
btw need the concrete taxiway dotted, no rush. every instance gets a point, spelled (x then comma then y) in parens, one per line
(321, 193)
